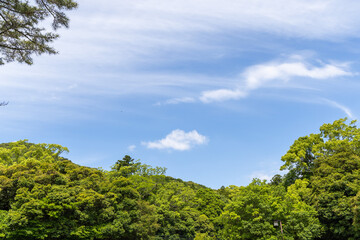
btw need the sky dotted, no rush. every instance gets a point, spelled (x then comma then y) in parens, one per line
(215, 91)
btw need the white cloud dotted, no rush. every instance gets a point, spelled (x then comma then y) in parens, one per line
(177, 101)
(221, 95)
(108, 43)
(343, 108)
(178, 140)
(258, 76)
(117, 31)
(131, 148)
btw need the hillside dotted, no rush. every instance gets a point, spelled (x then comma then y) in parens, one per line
(46, 196)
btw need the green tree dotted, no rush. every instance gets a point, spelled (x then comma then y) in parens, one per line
(20, 32)
(276, 180)
(251, 212)
(45, 196)
(3, 223)
(334, 137)
(177, 207)
(335, 187)
(22, 151)
(330, 161)
(126, 166)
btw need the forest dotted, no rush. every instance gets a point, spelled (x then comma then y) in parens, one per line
(43, 195)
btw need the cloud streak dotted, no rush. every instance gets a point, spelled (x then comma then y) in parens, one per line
(263, 75)
(258, 75)
(222, 95)
(183, 25)
(337, 105)
(103, 52)
(177, 101)
(178, 140)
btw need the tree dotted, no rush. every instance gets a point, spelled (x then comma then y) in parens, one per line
(22, 152)
(334, 192)
(45, 196)
(330, 161)
(179, 218)
(3, 103)
(333, 138)
(277, 179)
(20, 32)
(126, 166)
(252, 210)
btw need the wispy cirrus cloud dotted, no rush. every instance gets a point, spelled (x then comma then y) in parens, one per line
(258, 75)
(275, 73)
(335, 104)
(262, 75)
(220, 95)
(178, 140)
(114, 32)
(177, 101)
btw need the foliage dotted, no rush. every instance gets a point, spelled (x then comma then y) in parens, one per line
(182, 211)
(22, 151)
(335, 185)
(331, 162)
(253, 210)
(335, 137)
(45, 196)
(20, 32)
(128, 166)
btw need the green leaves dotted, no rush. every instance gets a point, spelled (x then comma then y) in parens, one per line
(253, 209)
(301, 155)
(22, 152)
(330, 160)
(46, 196)
(20, 34)
(334, 186)
(333, 138)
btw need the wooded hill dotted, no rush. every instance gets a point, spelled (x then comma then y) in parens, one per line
(45, 196)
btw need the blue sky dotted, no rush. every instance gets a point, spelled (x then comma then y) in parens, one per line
(215, 91)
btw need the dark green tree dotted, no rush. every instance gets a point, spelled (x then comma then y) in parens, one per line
(330, 162)
(126, 166)
(334, 192)
(20, 32)
(333, 137)
(45, 196)
(252, 210)
(177, 207)
(276, 180)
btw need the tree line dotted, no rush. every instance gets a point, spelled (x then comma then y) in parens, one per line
(46, 196)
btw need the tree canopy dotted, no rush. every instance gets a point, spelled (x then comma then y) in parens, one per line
(333, 138)
(43, 195)
(330, 162)
(22, 33)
